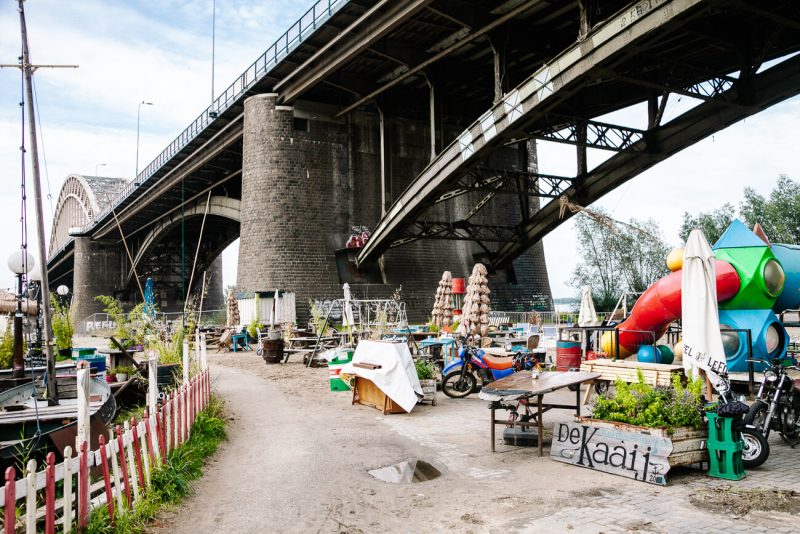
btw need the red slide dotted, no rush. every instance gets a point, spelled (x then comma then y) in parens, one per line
(660, 305)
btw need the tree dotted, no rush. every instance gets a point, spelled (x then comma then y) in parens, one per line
(779, 215)
(712, 223)
(628, 258)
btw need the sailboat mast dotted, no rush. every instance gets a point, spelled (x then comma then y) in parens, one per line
(27, 70)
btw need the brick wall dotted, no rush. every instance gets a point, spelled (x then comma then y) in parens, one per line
(303, 191)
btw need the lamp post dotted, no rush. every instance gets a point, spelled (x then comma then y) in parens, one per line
(138, 121)
(20, 263)
(96, 166)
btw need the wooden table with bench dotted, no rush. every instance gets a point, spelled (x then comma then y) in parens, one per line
(520, 387)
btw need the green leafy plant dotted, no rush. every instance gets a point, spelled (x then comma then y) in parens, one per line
(425, 369)
(654, 407)
(61, 323)
(7, 347)
(316, 315)
(124, 369)
(113, 308)
(252, 328)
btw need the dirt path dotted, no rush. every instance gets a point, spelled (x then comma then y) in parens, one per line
(297, 459)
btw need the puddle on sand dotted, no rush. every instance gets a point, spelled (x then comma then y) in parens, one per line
(407, 472)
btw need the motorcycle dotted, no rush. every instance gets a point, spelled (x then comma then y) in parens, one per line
(460, 378)
(776, 407)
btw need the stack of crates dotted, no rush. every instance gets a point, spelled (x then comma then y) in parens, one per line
(724, 447)
(343, 356)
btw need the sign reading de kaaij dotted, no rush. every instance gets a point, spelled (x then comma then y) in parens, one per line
(636, 455)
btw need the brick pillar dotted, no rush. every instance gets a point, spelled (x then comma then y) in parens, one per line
(286, 210)
(97, 271)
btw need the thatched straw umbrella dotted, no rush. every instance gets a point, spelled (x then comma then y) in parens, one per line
(476, 303)
(442, 313)
(8, 304)
(233, 309)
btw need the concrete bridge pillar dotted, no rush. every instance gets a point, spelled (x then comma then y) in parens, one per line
(97, 271)
(286, 213)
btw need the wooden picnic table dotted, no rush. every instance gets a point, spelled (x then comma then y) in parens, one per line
(520, 387)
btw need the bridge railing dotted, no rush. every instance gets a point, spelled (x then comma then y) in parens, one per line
(318, 14)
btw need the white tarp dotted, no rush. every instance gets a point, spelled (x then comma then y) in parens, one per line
(587, 316)
(702, 341)
(397, 377)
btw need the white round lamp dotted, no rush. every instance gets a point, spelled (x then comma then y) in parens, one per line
(19, 264)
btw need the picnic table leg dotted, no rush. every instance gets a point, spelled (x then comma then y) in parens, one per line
(491, 429)
(578, 398)
(589, 386)
(539, 425)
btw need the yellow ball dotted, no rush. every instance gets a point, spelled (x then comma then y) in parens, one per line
(678, 350)
(608, 342)
(675, 259)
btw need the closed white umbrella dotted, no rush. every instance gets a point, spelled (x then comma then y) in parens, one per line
(347, 314)
(587, 316)
(702, 341)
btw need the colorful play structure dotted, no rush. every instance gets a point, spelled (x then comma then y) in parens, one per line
(755, 280)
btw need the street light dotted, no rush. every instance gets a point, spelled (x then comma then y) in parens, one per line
(138, 120)
(20, 263)
(96, 166)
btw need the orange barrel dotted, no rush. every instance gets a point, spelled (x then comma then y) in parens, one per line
(568, 355)
(458, 286)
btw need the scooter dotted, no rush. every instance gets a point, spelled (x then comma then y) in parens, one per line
(473, 364)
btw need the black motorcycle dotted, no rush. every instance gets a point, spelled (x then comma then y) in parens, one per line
(776, 407)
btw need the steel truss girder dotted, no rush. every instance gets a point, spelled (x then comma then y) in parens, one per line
(598, 135)
(506, 181)
(759, 92)
(458, 230)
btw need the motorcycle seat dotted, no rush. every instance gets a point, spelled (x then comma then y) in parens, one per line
(498, 362)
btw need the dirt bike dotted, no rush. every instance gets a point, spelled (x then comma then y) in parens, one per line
(776, 407)
(473, 364)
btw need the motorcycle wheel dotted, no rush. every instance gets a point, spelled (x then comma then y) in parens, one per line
(457, 388)
(756, 449)
(756, 415)
(601, 386)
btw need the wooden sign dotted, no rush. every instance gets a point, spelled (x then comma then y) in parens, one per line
(611, 448)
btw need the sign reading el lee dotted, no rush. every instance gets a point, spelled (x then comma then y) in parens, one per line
(636, 455)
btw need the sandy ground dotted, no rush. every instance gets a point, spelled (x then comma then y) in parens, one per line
(297, 459)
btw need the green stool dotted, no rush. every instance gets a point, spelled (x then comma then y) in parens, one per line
(724, 448)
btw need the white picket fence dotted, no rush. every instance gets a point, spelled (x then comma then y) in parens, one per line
(127, 460)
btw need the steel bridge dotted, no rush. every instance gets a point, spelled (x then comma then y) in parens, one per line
(482, 78)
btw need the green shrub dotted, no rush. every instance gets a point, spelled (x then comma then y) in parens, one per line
(61, 324)
(655, 407)
(113, 308)
(7, 347)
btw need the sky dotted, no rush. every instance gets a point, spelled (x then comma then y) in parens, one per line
(160, 52)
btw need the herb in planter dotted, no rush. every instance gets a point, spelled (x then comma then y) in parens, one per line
(654, 407)
(425, 369)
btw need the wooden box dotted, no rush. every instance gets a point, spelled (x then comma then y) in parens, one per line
(367, 393)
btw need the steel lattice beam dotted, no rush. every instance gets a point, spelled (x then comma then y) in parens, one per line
(598, 135)
(505, 181)
(457, 230)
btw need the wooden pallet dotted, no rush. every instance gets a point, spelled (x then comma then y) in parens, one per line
(367, 393)
(655, 374)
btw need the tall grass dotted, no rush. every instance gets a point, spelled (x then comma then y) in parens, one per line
(170, 482)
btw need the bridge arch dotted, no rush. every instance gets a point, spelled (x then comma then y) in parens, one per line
(636, 56)
(80, 200)
(222, 212)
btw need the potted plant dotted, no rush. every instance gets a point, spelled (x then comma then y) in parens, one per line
(122, 373)
(62, 326)
(426, 371)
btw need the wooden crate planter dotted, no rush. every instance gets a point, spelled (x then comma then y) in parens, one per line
(655, 374)
(367, 393)
(641, 453)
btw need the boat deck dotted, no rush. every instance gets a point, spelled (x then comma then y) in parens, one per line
(46, 413)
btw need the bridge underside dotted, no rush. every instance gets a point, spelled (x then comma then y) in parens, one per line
(720, 54)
